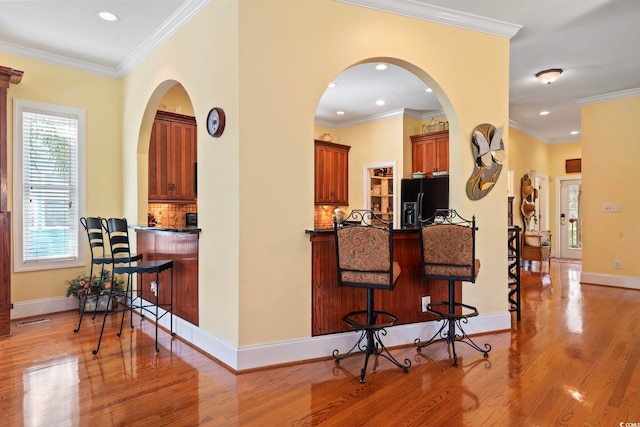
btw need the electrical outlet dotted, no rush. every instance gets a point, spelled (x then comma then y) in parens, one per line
(617, 264)
(425, 302)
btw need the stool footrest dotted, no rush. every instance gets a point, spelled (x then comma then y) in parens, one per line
(471, 311)
(352, 319)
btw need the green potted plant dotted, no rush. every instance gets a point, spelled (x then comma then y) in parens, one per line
(99, 287)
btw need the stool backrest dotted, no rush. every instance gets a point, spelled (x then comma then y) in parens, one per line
(447, 242)
(94, 229)
(118, 232)
(364, 251)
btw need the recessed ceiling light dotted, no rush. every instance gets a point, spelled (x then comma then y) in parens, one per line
(332, 84)
(544, 113)
(381, 102)
(340, 113)
(381, 67)
(575, 132)
(108, 16)
(429, 90)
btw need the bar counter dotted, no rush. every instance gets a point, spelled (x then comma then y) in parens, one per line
(330, 302)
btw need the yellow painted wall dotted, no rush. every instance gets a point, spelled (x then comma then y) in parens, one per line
(268, 71)
(100, 97)
(610, 135)
(255, 283)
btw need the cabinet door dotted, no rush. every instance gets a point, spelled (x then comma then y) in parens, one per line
(424, 156)
(331, 174)
(430, 152)
(442, 154)
(172, 159)
(159, 160)
(183, 159)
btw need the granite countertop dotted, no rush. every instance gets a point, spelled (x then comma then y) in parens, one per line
(176, 229)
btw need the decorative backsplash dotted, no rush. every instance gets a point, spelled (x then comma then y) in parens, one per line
(171, 214)
(323, 217)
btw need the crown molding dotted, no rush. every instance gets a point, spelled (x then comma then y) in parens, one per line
(609, 96)
(415, 114)
(441, 15)
(188, 10)
(181, 16)
(59, 60)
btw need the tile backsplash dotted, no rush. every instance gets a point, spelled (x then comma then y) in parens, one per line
(171, 214)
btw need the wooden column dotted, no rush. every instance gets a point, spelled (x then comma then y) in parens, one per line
(7, 76)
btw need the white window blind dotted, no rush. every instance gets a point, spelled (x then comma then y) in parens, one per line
(49, 143)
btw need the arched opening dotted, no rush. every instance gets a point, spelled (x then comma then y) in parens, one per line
(377, 107)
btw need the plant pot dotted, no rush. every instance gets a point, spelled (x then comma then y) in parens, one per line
(97, 304)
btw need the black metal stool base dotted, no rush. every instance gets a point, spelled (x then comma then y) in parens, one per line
(369, 342)
(447, 332)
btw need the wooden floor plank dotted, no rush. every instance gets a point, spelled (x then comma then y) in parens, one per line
(572, 360)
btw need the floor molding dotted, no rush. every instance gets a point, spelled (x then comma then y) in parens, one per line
(277, 353)
(628, 282)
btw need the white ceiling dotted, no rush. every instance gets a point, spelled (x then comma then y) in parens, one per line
(594, 41)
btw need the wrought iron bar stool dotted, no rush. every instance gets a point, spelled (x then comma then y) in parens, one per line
(95, 234)
(364, 251)
(118, 232)
(447, 243)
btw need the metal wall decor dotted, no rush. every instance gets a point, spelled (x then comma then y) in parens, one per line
(488, 151)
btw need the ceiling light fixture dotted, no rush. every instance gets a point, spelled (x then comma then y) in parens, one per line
(544, 113)
(381, 67)
(340, 113)
(108, 16)
(549, 76)
(429, 90)
(380, 102)
(574, 132)
(332, 84)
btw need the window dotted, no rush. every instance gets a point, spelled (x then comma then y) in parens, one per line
(48, 186)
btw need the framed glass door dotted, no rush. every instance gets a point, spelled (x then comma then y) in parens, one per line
(570, 218)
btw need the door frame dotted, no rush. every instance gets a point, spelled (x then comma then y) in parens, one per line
(558, 239)
(366, 187)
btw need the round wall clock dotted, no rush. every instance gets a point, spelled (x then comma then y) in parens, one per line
(215, 122)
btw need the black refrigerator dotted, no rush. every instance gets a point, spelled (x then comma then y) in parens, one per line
(421, 197)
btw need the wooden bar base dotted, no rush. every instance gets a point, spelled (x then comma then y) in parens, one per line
(330, 302)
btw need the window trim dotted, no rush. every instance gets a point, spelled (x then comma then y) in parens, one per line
(20, 106)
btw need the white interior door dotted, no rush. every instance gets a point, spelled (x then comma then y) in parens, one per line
(570, 219)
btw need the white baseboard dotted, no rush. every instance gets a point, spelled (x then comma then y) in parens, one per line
(43, 306)
(629, 282)
(276, 353)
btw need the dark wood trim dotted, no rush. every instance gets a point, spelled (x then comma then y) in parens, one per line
(7, 76)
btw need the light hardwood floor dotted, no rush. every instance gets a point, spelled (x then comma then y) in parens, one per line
(572, 360)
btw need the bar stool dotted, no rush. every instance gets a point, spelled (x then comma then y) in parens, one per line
(447, 244)
(95, 234)
(364, 251)
(118, 232)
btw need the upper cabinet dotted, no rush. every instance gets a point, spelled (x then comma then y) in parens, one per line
(430, 152)
(172, 158)
(331, 173)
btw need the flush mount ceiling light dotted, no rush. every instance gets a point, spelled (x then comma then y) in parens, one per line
(381, 67)
(381, 102)
(108, 16)
(549, 76)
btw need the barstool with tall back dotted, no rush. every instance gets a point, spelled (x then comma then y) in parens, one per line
(93, 227)
(124, 263)
(364, 251)
(447, 244)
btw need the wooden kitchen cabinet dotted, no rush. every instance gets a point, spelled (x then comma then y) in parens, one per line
(331, 163)
(430, 152)
(172, 158)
